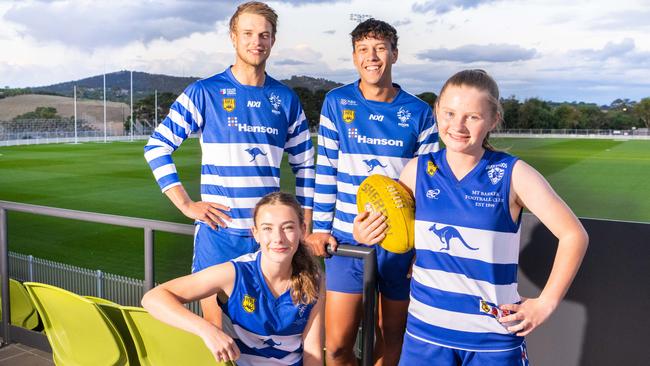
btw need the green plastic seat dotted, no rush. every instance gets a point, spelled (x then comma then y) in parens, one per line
(159, 344)
(78, 330)
(113, 312)
(23, 312)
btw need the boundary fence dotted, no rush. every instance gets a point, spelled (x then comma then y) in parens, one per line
(640, 134)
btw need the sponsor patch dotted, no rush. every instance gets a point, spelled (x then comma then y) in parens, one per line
(348, 115)
(248, 304)
(432, 168)
(228, 104)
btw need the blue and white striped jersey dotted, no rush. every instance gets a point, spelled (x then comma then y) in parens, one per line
(244, 131)
(358, 138)
(267, 330)
(467, 251)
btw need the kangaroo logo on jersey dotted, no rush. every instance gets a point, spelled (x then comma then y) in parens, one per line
(495, 172)
(348, 115)
(275, 102)
(228, 104)
(372, 164)
(254, 152)
(248, 303)
(431, 168)
(446, 234)
(403, 115)
(271, 343)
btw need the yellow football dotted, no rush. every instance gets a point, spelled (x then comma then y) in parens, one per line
(379, 193)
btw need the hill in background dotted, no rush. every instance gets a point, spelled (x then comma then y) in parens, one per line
(92, 111)
(144, 84)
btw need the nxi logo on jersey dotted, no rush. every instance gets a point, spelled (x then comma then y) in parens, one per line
(253, 104)
(376, 117)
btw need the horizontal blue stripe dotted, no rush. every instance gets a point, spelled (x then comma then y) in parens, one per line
(430, 139)
(494, 273)
(343, 236)
(355, 180)
(303, 126)
(300, 148)
(187, 116)
(241, 171)
(347, 198)
(147, 148)
(328, 133)
(325, 188)
(167, 180)
(322, 225)
(158, 136)
(325, 170)
(459, 339)
(344, 216)
(237, 192)
(325, 152)
(160, 161)
(323, 207)
(305, 182)
(268, 352)
(305, 201)
(175, 127)
(450, 301)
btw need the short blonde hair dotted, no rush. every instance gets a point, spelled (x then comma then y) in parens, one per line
(255, 7)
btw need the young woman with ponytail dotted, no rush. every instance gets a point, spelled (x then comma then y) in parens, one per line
(273, 297)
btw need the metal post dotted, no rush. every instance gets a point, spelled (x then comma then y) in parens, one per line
(4, 264)
(100, 288)
(131, 106)
(104, 107)
(155, 109)
(148, 259)
(30, 267)
(369, 285)
(76, 141)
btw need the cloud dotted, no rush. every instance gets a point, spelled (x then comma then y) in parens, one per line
(445, 6)
(399, 23)
(610, 50)
(289, 62)
(475, 53)
(91, 24)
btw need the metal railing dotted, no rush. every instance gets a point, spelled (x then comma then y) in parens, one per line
(38, 340)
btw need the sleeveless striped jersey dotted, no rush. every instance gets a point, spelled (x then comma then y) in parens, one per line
(267, 330)
(357, 138)
(244, 131)
(467, 250)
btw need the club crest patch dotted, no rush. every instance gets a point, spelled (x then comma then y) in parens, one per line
(495, 172)
(228, 104)
(431, 168)
(348, 115)
(248, 304)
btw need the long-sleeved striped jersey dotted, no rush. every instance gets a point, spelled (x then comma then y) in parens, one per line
(360, 137)
(244, 131)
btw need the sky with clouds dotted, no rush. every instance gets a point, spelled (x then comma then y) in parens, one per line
(558, 50)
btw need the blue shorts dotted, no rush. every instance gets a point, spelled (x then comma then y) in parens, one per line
(217, 246)
(415, 350)
(345, 274)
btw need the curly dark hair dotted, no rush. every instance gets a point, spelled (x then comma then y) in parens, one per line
(373, 28)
